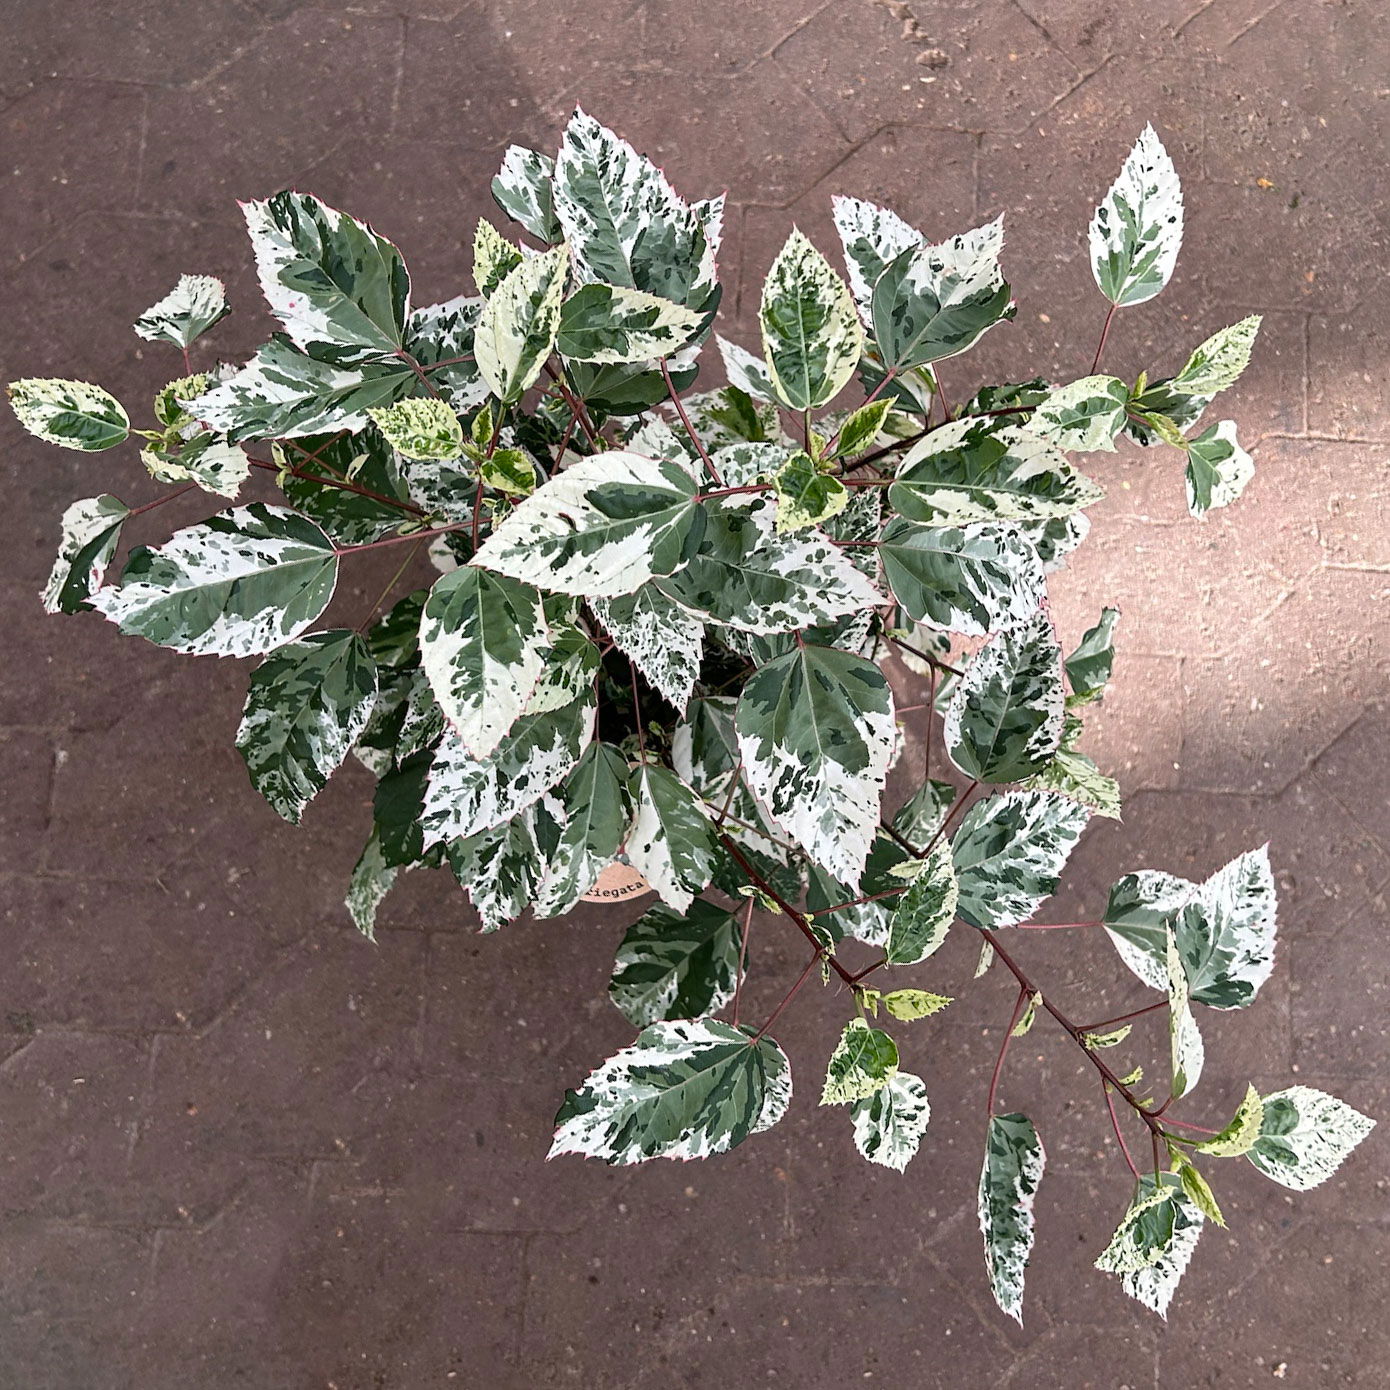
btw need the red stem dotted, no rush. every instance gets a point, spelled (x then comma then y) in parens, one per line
(788, 997)
(160, 501)
(1115, 1125)
(1104, 334)
(689, 428)
(742, 958)
(1023, 996)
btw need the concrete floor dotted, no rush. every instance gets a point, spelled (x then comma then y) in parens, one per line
(239, 1147)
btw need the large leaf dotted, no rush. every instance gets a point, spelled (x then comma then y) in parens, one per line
(864, 1060)
(73, 414)
(664, 641)
(602, 527)
(517, 329)
(524, 190)
(748, 576)
(340, 290)
(924, 913)
(1217, 468)
(976, 580)
(1151, 1248)
(186, 312)
(932, 302)
(308, 704)
(597, 815)
(815, 732)
(1082, 416)
(1137, 230)
(681, 1090)
(889, 1124)
(978, 469)
(811, 337)
(1013, 1168)
(91, 530)
(609, 323)
(1004, 719)
(1305, 1135)
(202, 458)
(676, 965)
(872, 237)
(1009, 854)
(672, 842)
(501, 868)
(241, 583)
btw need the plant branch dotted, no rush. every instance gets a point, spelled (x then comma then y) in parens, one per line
(1115, 1125)
(341, 485)
(1104, 334)
(1123, 1018)
(742, 958)
(1023, 997)
(788, 997)
(160, 501)
(689, 428)
(575, 404)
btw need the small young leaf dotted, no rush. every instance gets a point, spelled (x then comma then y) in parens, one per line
(889, 1124)
(1013, 1168)
(1137, 229)
(910, 1004)
(508, 471)
(186, 312)
(865, 1059)
(420, 428)
(925, 911)
(1197, 1188)
(1075, 775)
(1113, 1038)
(1217, 468)
(676, 965)
(517, 329)
(1218, 363)
(1083, 415)
(73, 414)
(1025, 1021)
(806, 496)
(1305, 1135)
(494, 258)
(91, 530)
(1089, 666)
(861, 429)
(1239, 1136)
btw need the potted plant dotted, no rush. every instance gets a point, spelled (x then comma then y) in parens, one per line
(657, 656)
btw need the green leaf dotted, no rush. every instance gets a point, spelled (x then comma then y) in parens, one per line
(872, 237)
(1076, 776)
(348, 518)
(340, 290)
(1217, 363)
(865, 1059)
(1089, 666)
(494, 258)
(805, 495)
(524, 191)
(372, 879)
(1197, 1188)
(811, 337)
(597, 817)
(1013, 1168)
(975, 580)
(1004, 720)
(508, 471)
(1155, 1240)
(1305, 1135)
(664, 641)
(673, 843)
(681, 1090)
(861, 429)
(1239, 1136)
(308, 704)
(747, 576)
(933, 302)
(925, 911)
(815, 733)
(212, 463)
(481, 640)
(502, 867)
(186, 312)
(91, 530)
(1217, 468)
(981, 469)
(516, 331)
(1009, 854)
(922, 814)
(1185, 1040)
(1084, 415)
(168, 401)
(610, 323)
(243, 582)
(602, 527)
(676, 965)
(911, 1004)
(889, 1124)
(1024, 1026)
(1137, 230)
(73, 414)
(420, 428)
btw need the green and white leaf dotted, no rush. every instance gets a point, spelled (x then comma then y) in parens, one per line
(864, 1060)
(1217, 468)
(908, 1005)
(524, 190)
(890, 1123)
(1172, 1228)
(91, 530)
(241, 583)
(1137, 229)
(602, 527)
(815, 734)
(509, 471)
(1185, 1039)
(1083, 415)
(1089, 666)
(1239, 1136)
(1305, 1135)
(372, 879)
(518, 326)
(681, 1090)
(1013, 1168)
(307, 705)
(1141, 908)
(745, 372)
(444, 333)
(73, 414)
(420, 428)
(1009, 854)
(1217, 364)
(924, 913)
(186, 312)
(811, 336)
(501, 868)
(212, 463)
(805, 495)
(664, 641)
(872, 237)
(1075, 775)
(676, 965)
(861, 429)
(494, 258)
(597, 816)
(610, 323)
(672, 843)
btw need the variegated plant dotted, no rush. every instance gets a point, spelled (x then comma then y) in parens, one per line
(670, 626)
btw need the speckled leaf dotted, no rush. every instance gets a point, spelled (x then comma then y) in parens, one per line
(924, 913)
(203, 458)
(1217, 364)
(864, 1060)
(420, 428)
(501, 868)
(91, 530)
(1239, 1135)
(443, 333)
(1009, 854)
(681, 1090)
(73, 414)
(889, 1124)
(676, 965)
(1305, 1135)
(524, 190)
(186, 312)
(348, 518)
(1217, 468)
(494, 257)
(597, 817)
(745, 372)
(805, 495)
(1089, 666)
(1187, 1050)
(872, 237)
(1013, 1168)
(672, 842)
(308, 704)
(372, 879)
(1075, 775)
(665, 642)
(811, 337)
(610, 323)
(516, 330)
(815, 732)
(1151, 1248)
(1137, 230)
(243, 582)
(1082, 416)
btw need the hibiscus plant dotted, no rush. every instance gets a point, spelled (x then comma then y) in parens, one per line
(664, 641)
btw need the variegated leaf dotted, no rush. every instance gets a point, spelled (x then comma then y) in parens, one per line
(481, 642)
(1009, 855)
(1185, 1039)
(349, 518)
(524, 190)
(443, 334)
(610, 323)
(494, 258)
(420, 428)
(91, 531)
(746, 372)
(806, 496)
(1075, 775)
(212, 463)
(516, 330)
(308, 704)
(864, 921)
(676, 965)
(924, 913)
(597, 818)
(681, 1090)
(1217, 363)
(864, 1060)
(872, 237)
(1137, 230)
(1013, 1168)
(372, 879)
(1082, 416)
(1305, 1135)
(73, 414)
(815, 734)
(1154, 1243)
(186, 312)
(664, 641)
(1217, 468)
(501, 868)
(1088, 668)
(672, 842)
(889, 1124)
(811, 336)
(241, 583)
(1239, 1136)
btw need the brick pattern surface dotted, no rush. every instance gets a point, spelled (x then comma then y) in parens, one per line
(240, 1147)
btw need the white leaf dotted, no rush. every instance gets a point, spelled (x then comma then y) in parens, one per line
(1137, 229)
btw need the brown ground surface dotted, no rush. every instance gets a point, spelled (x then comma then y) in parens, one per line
(241, 1147)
